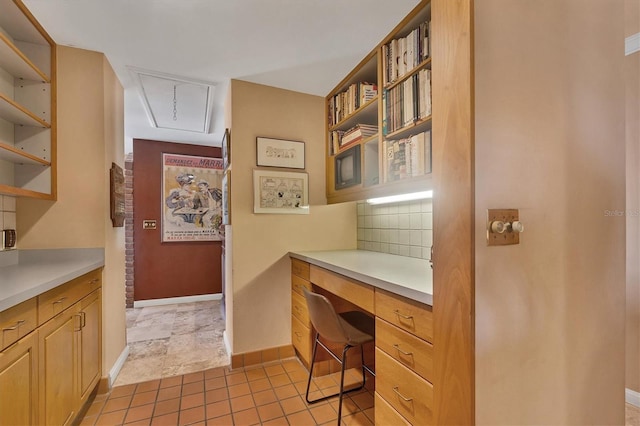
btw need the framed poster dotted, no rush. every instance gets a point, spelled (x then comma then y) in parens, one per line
(280, 153)
(280, 192)
(226, 198)
(226, 149)
(192, 198)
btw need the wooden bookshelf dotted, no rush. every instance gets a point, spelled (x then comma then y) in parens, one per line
(27, 99)
(372, 112)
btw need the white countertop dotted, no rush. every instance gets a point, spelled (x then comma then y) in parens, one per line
(405, 276)
(37, 271)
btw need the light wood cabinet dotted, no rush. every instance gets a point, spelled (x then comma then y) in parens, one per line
(48, 375)
(19, 382)
(58, 368)
(27, 105)
(397, 112)
(90, 344)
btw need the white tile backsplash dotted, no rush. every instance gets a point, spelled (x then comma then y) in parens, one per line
(403, 229)
(9, 219)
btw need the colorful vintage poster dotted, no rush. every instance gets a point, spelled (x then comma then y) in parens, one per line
(192, 198)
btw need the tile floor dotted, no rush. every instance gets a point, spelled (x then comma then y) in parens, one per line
(177, 373)
(169, 340)
(268, 394)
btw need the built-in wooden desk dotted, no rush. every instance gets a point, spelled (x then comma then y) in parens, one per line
(398, 292)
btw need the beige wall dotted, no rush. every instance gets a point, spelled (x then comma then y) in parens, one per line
(632, 73)
(261, 267)
(90, 137)
(549, 114)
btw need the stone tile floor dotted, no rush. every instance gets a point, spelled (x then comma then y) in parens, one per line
(170, 340)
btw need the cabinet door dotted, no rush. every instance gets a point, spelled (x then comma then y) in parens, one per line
(19, 382)
(58, 368)
(90, 344)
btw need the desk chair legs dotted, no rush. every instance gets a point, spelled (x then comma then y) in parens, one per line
(343, 363)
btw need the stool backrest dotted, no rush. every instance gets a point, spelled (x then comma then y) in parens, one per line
(324, 317)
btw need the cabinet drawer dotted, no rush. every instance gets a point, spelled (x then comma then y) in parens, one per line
(386, 414)
(18, 321)
(359, 294)
(404, 390)
(60, 298)
(298, 283)
(300, 268)
(409, 315)
(299, 309)
(412, 352)
(301, 339)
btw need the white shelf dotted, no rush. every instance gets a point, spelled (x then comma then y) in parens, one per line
(14, 22)
(17, 114)
(17, 156)
(17, 63)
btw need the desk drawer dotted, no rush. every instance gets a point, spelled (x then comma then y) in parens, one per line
(301, 339)
(299, 309)
(409, 394)
(359, 294)
(62, 297)
(298, 283)
(386, 414)
(300, 268)
(409, 315)
(410, 351)
(18, 321)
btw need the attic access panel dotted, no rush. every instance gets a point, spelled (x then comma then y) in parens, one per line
(176, 103)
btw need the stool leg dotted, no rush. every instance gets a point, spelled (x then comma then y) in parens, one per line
(344, 364)
(364, 376)
(313, 360)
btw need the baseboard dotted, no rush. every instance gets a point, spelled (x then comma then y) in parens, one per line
(632, 397)
(117, 366)
(174, 300)
(227, 343)
(262, 356)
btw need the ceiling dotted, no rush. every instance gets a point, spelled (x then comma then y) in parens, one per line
(302, 45)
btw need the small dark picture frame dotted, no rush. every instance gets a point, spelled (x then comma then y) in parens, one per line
(347, 168)
(226, 149)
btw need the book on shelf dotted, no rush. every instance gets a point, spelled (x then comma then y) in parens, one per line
(335, 137)
(407, 102)
(358, 132)
(405, 158)
(342, 104)
(401, 55)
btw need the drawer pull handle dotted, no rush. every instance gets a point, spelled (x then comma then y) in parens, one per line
(95, 280)
(397, 312)
(401, 351)
(62, 299)
(395, 389)
(83, 319)
(15, 327)
(299, 335)
(297, 308)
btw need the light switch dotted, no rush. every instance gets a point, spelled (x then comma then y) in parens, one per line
(148, 224)
(503, 227)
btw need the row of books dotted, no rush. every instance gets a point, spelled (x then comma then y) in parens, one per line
(402, 55)
(407, 102)
(405, 158)
(345, 103)
(341, 140)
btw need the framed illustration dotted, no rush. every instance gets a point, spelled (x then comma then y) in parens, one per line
(191, 198)
(280, 192)
(116, 187)
(226, 149)
(280, 153)
(226, 198)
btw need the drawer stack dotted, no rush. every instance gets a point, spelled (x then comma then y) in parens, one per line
(301, 334)
(404, 360)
